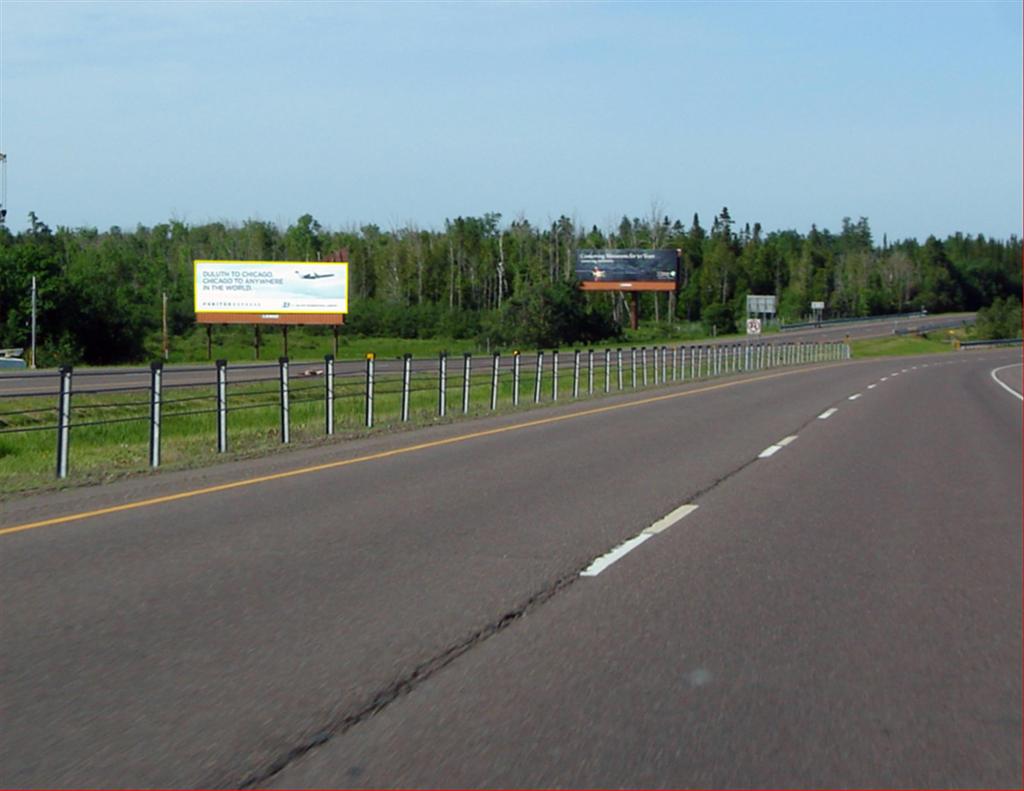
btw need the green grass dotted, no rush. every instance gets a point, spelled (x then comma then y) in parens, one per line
(110, 431)
(901, 345)
(235, 343)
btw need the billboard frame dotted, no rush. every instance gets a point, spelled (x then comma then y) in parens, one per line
(283, 319)
(634, 287)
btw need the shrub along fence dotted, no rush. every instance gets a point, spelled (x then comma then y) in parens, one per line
(129, 418)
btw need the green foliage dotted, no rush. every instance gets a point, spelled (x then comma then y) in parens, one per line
(551, 314)
(719, 319)
(479, 278)
(1002, 319)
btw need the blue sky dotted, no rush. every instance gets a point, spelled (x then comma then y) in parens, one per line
(119, 113)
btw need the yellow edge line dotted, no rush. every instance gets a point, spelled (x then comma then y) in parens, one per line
(381, 455)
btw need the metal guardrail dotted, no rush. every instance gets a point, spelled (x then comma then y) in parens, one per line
(855, 320)
(984, 344)
(939, 325)
(582, 373)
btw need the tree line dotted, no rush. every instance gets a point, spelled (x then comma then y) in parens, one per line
(100, 292)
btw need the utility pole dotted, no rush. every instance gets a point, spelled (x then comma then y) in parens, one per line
(167, 350)
(33, 362)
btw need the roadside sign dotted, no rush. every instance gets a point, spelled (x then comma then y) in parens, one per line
(817, 306)
(761, 303)
(753, 326)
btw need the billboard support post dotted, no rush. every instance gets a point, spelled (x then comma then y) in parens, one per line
(156, 370)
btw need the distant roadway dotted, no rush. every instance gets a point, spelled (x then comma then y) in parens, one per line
(106, 378)
(787, 578)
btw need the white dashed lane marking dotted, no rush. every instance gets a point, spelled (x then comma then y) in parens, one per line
(623, 549)
(827, 414)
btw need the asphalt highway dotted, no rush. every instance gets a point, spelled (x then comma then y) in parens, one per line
(532, 599)
(46, 382)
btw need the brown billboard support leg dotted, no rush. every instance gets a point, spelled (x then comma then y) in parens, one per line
(634, 310)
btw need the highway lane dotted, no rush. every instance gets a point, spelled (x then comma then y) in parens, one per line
(109, 378)
(212, 639)
(846, 612)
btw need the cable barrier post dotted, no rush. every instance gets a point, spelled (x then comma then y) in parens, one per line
(607, 370)
(576, 373)
(406, 385)
(285, 409)
(643, 364)
(515, 377)
(156, 371)
(329, 394)
(222, 406)
(371, 358)
(554, 375)
(467, 365)
(63, 421)
(442, 383)
(632, 362)
(619, 357)
(495, 362)
(536, 381)
(590, 372)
